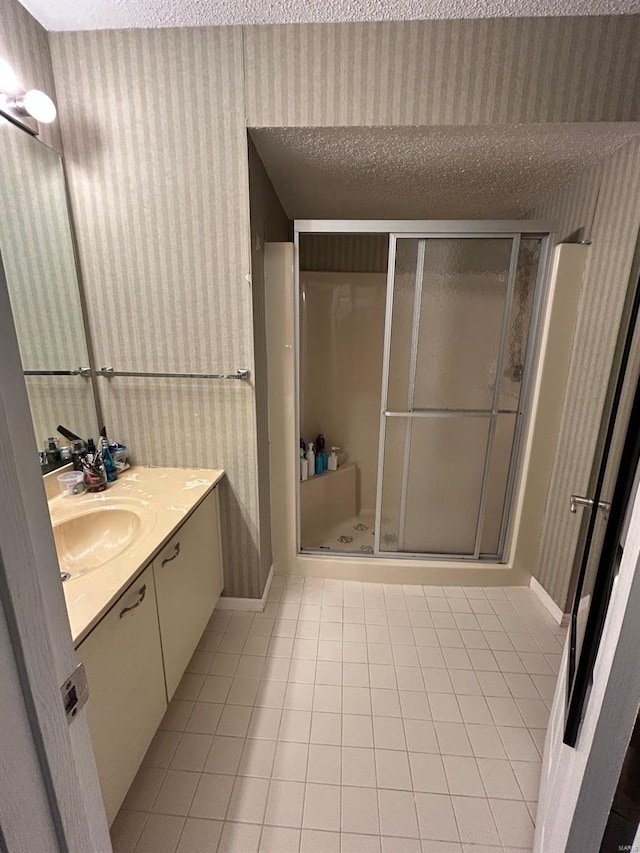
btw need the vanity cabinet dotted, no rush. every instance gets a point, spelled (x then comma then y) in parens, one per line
(137, 653)
(188, 575)
(123, 660)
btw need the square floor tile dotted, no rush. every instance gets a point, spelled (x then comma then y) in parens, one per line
(436, 820)
(499, 779)
(360, 810)
(528, 776)
(160, 834)
(427, 773)
(277, 839)
(485, 741)
(326, 728)
(321, 807)
(518, 744)
(504, 711)
(385, 703)
(290, 761)
(257, 758)
(358, 767)
(514, 823)
(212, 796)
(444, 708)
(325, 764)
(474, 709)
(463, 776)
(388, 732)
(397, 813)
(295, 726)
(176, 793)
(248, 800)
(357, 730)
(452, 740)
(162, 749)
(354, 843)
(234, 720)
(356, 700)
(437, 680)
(318, 841)
(392, 769)
(298, 697)
(239, 838)
(285, 803)
(199, 835)
(475, 821)
(191, 752)
(327, 698)
(224, 755)
(265, 723)
(400, 845)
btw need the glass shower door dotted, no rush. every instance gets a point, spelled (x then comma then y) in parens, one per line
(458, 316)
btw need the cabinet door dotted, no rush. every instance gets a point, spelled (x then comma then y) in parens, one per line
(127, 699)
(188, 574)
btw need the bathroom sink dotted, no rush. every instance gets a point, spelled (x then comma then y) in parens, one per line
(88, 540)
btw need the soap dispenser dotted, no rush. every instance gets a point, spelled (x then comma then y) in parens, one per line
(311, 460)
(332, 465)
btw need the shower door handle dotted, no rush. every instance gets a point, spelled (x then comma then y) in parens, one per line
(578, 500)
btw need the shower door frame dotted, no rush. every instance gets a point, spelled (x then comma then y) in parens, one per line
(425, 230)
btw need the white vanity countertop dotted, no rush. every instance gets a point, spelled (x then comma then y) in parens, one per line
(163, 498)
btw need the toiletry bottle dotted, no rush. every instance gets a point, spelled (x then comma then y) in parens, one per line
(332, 463)
(321, 454)
(52, 449)
(311, 460)
(77, 450)
(107, 461)
(304, 465)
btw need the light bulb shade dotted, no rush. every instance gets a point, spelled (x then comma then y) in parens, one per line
(40, 106)
(8, 80)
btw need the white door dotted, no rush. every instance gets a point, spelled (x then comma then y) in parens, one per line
(49, 792)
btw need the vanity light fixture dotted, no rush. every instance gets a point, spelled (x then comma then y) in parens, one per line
(25, 109)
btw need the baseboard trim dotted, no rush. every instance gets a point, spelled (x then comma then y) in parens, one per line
(255, 605)
(546, 600)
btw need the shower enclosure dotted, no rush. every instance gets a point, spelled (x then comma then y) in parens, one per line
(462, 308)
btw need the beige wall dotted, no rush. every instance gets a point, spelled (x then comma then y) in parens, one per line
(159, 186)
(342, 337)
(604, 203)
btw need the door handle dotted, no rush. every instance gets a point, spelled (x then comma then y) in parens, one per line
(578, 500)
(176, 553)
(141, 595)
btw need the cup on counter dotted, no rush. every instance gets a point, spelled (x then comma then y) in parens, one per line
(71, 483)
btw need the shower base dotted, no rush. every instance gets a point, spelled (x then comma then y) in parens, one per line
(353, 535)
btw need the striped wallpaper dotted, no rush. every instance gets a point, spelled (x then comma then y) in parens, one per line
(154, 131)
(498, 71)
(605, 202)
(155, 143)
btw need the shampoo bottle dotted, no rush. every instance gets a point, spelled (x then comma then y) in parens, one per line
(332, 464)
(311, 460)
(304, 465)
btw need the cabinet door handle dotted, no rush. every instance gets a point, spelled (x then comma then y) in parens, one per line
(176, 552)
(141, 595)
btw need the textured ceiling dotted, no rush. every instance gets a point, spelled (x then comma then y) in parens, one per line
(486, 172)
(115, 14)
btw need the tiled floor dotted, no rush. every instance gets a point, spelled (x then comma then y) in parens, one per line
(354, 718)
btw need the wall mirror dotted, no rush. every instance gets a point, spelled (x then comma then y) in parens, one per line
(37, 253)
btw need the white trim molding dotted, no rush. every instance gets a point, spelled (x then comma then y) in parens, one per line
(546, 600)
(255, 605)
